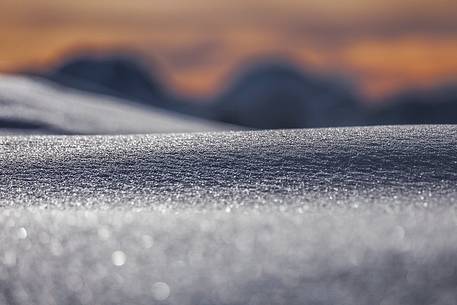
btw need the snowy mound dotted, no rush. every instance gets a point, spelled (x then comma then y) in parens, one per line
(30, 105)
(325, 216)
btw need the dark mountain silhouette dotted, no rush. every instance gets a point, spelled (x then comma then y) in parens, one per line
(267, 94)
(433, 106)
(275, 94)
(118, 75)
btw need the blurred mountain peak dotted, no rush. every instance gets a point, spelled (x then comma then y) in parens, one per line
(267, 93)
(120, 75)
(276, 93)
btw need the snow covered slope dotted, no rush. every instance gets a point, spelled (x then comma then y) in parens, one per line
(29, 105)
(324, 216)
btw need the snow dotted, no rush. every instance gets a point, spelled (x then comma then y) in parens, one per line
(29, 105)
(323, 216)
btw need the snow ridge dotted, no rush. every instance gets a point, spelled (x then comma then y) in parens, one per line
(324, 216)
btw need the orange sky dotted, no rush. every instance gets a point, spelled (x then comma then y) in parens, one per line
(380, 45)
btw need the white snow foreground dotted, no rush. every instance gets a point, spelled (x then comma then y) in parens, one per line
(32, 105)
(325, 216)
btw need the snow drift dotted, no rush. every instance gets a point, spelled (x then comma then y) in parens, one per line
(29, 105)
(324, 216)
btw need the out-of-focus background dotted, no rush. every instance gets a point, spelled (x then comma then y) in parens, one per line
(252, 63)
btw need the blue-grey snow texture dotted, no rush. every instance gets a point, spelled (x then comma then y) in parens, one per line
(325, 216)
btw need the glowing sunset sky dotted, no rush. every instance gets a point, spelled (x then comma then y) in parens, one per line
(381, 45)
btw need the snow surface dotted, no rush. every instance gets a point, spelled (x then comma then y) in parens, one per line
(323, 216)
(32, 105)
